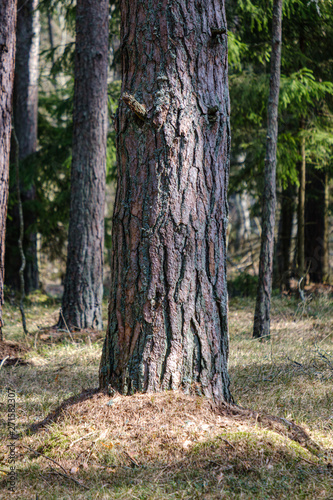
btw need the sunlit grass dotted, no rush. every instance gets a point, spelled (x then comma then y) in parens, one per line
(169, 446)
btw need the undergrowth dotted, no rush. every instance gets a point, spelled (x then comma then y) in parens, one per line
(172, 446)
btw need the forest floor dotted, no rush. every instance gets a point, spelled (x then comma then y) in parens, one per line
(170, 445)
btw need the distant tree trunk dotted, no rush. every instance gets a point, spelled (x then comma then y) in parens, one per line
(83, 285)
(283, 247)
(8, 9)
(168, 325)
(326, 256)
(25, 119)
(243, 228)
(50, 31)
(301, 213)
(261, 325)
(316, 227)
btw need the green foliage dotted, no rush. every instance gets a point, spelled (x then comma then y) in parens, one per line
(53, 163)
(49, 168)
(306, 94)
(301, 90)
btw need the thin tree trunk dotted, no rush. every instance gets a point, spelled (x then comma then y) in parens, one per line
(83, 285)
(316, 238)
(283, 247)
(261, 325)
(50, 31)
(8, 11)
(21, 234)
(326, 256)
(301, 214)
(25, 117)
(168, 325)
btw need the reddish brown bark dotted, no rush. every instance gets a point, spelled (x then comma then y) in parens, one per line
(7, 64)
(261, 325)
(83, 286)
(168, 324)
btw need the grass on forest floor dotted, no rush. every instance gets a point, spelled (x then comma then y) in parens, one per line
(172, 446)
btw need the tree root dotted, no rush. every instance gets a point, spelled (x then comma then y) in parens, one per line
(277, 424)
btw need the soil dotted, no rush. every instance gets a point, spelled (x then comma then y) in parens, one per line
(10, 352)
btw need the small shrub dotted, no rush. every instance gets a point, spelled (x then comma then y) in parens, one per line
(243, 285)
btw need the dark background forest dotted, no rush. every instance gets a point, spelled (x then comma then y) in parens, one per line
(304, 116)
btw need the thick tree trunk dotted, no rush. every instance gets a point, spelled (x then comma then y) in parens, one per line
(25, 119)
(283, 247)
(7, 64)
(316, 238)
(261, 325)
(168, 307)
(83, 286)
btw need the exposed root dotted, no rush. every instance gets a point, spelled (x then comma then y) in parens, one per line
(57, 413)
(277, 424)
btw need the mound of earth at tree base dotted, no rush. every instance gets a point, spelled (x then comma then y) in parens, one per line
(162, 446)
(166, 422)
(10, 353)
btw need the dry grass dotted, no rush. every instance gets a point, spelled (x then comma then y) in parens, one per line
(169, 445)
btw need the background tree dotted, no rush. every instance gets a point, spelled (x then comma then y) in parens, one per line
(8, 12)
(25, 119)
(305, 97)
(83, 285)
(168, 323)
(261, 325)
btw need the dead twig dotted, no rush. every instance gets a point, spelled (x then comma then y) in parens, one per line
(64, 474)
(68, 330)
(70, 477)
(83, 437)
(42, 455)
(226, 441)
(308, 461)
(134, 462)
(3, 361)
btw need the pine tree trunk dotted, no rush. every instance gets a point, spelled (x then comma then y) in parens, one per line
(261, 325)
(8, 10)
(168, 325)
(326, 255)
(316, 248)
(283, 247)
(301, 214)
(83, 285)
(25, 119)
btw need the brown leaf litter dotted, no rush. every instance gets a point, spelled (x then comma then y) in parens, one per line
(158, 424)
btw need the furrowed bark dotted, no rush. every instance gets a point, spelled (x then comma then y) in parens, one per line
(8, 11)
(168, 325)
(83, 285)
(261, 325)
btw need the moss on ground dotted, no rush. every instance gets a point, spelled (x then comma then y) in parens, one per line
(172, 446)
